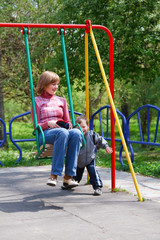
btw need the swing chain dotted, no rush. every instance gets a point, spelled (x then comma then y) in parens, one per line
(23, 29)
(59, 31)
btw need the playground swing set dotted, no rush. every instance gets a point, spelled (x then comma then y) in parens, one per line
(110, 90)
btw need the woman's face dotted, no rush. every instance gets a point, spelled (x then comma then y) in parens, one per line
(52, 88)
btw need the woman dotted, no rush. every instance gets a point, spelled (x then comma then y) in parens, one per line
(50, 109)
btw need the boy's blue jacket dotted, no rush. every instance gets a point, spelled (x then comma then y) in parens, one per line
(87, 153)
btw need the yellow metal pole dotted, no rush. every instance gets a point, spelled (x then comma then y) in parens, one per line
(86, 75)
(87, 83)
(115, 115)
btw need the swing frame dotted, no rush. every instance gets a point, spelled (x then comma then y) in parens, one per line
(25, 30)
(88, 29)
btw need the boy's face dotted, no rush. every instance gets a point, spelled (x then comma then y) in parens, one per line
(84, 126)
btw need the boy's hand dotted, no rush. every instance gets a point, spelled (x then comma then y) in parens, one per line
(109, 150)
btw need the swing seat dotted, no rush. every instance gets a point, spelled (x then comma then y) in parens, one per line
(48, 151)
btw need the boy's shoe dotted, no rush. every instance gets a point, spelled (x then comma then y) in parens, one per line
(70, 183)
(97, 192)
(52, 182)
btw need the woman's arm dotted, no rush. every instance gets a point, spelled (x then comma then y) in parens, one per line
(43, 125)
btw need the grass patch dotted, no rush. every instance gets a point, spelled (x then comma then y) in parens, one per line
(146, 162)
(22, 128)
(9, 158)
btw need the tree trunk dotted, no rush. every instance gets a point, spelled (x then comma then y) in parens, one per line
(2, 116)
(1, 111)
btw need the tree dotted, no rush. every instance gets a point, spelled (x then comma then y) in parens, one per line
(135, 29)
(14, 70)
(133, 24)
(1, 106)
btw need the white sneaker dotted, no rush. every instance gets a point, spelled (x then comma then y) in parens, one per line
(52, 182)
(97, 192)
(70, 183)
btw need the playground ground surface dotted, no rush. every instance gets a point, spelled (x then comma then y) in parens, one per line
(31, 210)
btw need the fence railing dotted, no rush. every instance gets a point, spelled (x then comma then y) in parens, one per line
(127, 125)
(153, 141)
(104, 124)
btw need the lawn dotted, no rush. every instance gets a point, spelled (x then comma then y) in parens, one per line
(146, 162)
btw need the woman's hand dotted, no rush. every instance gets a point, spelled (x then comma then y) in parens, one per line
(52, 124)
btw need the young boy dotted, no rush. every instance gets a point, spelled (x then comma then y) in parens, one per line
(87, 155)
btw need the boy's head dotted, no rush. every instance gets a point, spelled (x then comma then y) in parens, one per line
(83, 122)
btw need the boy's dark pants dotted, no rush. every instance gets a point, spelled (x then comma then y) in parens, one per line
(95, 179)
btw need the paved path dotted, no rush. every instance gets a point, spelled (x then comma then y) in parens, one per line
(30, 210)
(148, 186)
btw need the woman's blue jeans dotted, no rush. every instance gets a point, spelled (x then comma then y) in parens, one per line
(63, 140)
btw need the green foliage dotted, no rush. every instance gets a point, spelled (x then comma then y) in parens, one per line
(135, 29)
(145, 92)
(134, 25)
(18, 108)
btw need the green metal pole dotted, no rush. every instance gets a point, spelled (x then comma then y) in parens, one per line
(67, 77)
(69, 86)
(32, 93)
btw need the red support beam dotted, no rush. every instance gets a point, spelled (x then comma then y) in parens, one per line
(111, 57)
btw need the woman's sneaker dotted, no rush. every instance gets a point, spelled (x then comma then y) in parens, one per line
(97, 192)
(69, 183)
(52, 182)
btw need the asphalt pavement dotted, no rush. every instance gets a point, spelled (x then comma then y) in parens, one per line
(31, 210)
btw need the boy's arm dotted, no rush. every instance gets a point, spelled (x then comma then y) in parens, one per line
(99, 141)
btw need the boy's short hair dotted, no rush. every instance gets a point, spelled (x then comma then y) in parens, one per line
(45, 79)
(80, 118)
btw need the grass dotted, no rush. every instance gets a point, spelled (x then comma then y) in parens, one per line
(9, 154)
(146, 162)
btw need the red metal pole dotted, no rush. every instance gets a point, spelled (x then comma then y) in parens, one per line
(85, 26)
(111, 57)
(112, 117)
(42, 25)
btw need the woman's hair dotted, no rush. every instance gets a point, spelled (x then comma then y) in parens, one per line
(80, 118)
(45, 79)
